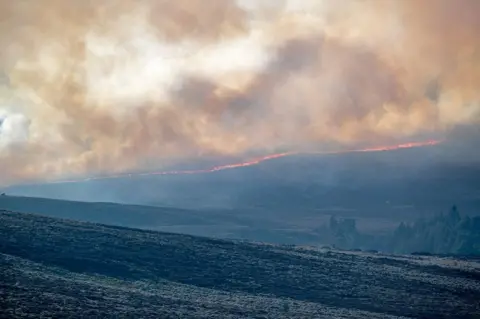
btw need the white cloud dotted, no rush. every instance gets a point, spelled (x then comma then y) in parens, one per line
(14, 129)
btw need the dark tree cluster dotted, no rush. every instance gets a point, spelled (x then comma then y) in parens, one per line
(448, 233)
(343, 233)
(443, 234)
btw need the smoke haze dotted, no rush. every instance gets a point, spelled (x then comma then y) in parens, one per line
(91, 87)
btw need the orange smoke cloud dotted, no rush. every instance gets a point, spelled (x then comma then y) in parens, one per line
(107, 87)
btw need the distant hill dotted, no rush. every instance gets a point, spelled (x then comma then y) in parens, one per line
(440, 234)
(57, 268)
(393, 186)
(225, 223)
(107, 213)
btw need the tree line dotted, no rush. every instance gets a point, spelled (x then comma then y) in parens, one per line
(448, 233)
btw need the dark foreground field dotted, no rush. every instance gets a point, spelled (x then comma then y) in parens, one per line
(62, 269)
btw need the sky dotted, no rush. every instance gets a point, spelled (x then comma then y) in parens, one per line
(89, 87)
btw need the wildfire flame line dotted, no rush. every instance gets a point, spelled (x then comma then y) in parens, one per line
(251, 162)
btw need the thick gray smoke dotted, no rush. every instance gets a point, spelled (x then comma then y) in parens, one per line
(109, 86)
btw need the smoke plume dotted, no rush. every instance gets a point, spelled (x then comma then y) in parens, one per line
(92, 87)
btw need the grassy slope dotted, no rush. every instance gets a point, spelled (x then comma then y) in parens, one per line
(59, 266)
